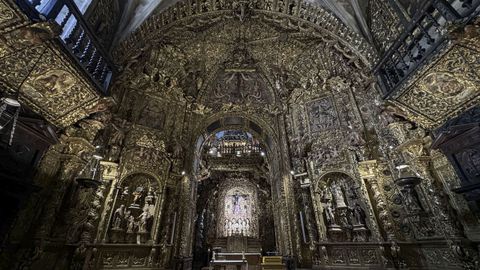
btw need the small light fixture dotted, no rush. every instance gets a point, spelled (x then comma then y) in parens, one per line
(262, 153)
(91, 175)
(183, 172)
(292, 172)
(406, 177)
(5, 104)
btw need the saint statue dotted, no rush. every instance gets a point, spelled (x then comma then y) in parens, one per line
(115, 143)
(150, 198)
(329, 214)
(118, 217)
(142, 223)
(125, 193)
(338, 195)
(130, 224)
(359, 214)
(137, 195)
(412, 200)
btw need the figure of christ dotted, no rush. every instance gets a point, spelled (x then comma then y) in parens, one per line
(236, 204)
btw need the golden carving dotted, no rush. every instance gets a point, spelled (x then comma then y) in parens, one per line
(6, 13)
(57, 90)
(110, 170)
(25, 37)
(367, 169)
(10, 17)
(448, 87)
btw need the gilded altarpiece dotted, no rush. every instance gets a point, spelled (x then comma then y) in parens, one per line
(133, 214)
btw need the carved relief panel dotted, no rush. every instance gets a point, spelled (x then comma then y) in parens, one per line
(447, 86)
(10, 17)
(321, 114)
(50, 86)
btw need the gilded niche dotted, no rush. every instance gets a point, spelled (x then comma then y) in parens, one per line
(135, 210)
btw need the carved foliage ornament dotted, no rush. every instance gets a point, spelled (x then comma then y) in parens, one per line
(10, 17)
(450, 85)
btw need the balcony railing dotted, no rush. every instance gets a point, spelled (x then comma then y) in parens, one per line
(76, 36)
(424, 36)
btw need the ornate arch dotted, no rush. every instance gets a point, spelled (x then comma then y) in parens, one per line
(318, 180)
(142, 171)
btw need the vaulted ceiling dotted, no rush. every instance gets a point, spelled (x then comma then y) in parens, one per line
(225, 62)
(350, 12)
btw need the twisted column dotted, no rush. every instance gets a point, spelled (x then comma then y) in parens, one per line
(369, 172)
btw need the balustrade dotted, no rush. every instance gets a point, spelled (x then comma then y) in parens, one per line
(76, 36)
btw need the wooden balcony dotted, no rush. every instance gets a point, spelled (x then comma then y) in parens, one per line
(51, 60)
(429, 71)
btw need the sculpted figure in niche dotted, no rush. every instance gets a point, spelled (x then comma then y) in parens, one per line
(150, 198)
(329, 213)
(357, 144)
(130, 224)
(193, 79)
(412, 200)
(125, 193)
(143, 219)
(359, 214)
(115, 143)
(137, 195)
(127, 215)
(326, 195)
(118, 217)
(343, 218)
(337, 193)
